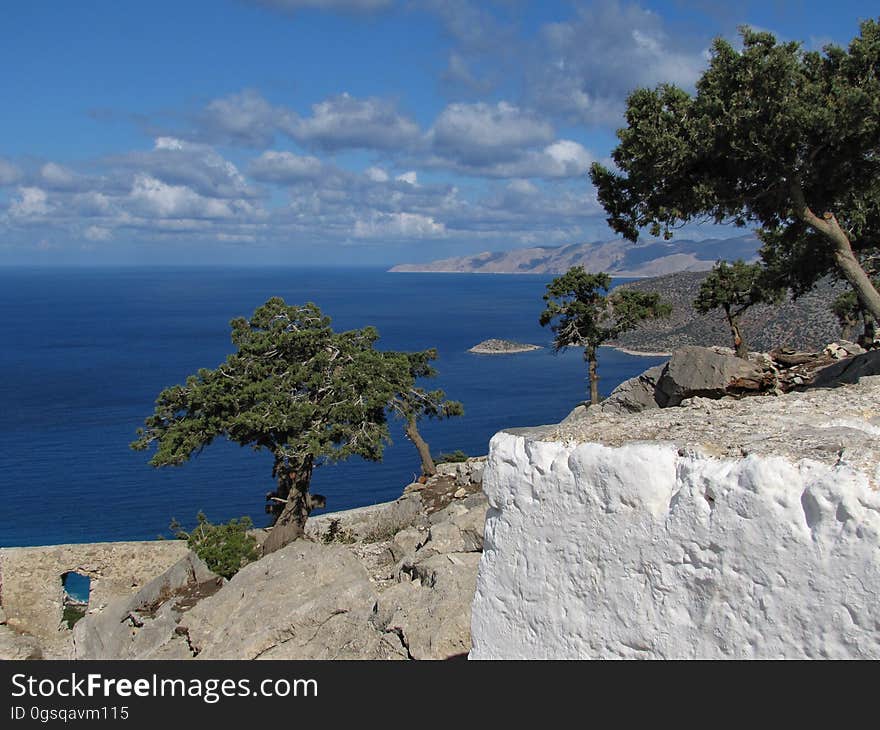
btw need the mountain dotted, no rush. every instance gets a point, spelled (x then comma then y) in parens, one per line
(805, 324)
(618, 257)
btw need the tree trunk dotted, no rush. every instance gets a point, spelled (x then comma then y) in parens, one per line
(412, 433)
(290, 504)
(869, 333)
(738, 343)
(846, 260)
(592, 366)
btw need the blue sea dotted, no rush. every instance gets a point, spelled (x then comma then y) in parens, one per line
(85, 352)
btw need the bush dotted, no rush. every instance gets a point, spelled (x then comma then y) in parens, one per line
(226, 549)
(456, 457)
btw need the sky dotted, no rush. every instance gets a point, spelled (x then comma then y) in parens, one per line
(352, 132)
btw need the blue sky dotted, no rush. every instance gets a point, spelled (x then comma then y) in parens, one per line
(333, 131)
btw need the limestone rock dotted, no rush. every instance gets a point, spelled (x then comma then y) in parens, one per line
(432, 615)
(848, 370)
(367, 522)
(406, 542)
(305, 601)
(140, 626)
(17, 646)
(707, 373)
(636, 394)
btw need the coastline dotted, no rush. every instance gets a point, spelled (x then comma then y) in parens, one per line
(638, 353)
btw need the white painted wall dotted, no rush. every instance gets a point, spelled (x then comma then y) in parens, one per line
(637, 551)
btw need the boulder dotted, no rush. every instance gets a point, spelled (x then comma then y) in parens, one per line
(849, 370)
(406, 542)
(633, 395)
(707, 373)
(142, 625)
(305, 601)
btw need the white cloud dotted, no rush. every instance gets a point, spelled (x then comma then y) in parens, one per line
(155, 198)
(33, 202)
(245, 119)
(344, 122)
(285, 167)
(376, 174)
(585, 68)
(57, 177)
(398, 225)
(479, 133)
(410, 178)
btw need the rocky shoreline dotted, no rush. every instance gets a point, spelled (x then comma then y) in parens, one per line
(502, 347)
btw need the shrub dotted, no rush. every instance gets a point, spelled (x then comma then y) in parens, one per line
(226, 549)
(456, 457)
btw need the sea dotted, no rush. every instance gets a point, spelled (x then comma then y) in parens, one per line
(86, 351)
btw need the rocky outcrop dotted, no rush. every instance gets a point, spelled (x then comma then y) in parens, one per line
(391, 581)
(31, 578)
(144, 626)
(502, 347)
(722, 528)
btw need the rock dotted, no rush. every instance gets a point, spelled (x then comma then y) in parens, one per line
(633, 395)
(432, 615)
(707, 373)
(305, 601)
(460, 493)
(406, 542)
(140, 626)
(18, 646)
(502, 347)
(367, 522)
(849, 370)
(281, 535)
(2, 616)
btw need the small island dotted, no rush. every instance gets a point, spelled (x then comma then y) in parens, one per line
(502, 347)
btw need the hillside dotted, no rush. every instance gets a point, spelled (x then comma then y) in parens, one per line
(617, 257)
(806, 324)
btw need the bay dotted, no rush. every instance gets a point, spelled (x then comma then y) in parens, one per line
(86, 351)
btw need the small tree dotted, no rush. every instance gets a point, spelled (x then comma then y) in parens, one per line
(785, 139)
(734, 288)
(226, 549)
(293, 387)
(412, 403)
(587, 314)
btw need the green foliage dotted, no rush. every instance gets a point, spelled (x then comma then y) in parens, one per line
(293, 387)
(455, 457)
(226, 549)
(583, 312)
(736, 287)
(71, 613)
(772, 134)
(412, 402)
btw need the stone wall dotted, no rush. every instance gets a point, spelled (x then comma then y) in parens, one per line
(31, 593)
(718, 529)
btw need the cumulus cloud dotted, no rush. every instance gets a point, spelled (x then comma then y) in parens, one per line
(480, 133)
(376, 174)
(96, 233)
(31, 203)
(285, 167)
(244, 119)
(584, 68)
(403, 225)
(155, 198)
(179, 162)
(345, 122)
